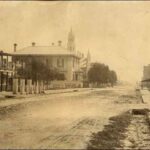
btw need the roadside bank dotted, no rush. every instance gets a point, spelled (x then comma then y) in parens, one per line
(129, 130)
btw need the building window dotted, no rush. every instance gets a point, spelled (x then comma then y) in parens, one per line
(60, 62)
(5, 63)
(73, 62)
(47, 62)
(50, 62)
(0, 61)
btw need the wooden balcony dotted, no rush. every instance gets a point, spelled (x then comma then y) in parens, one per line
(6, 68)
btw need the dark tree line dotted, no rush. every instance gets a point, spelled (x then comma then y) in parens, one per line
(101, 74)
(40, 71)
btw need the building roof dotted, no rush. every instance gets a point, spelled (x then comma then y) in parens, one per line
(45, 50)
(4, 53)
(146, 80)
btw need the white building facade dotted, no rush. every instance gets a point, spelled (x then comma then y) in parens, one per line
(66, 60)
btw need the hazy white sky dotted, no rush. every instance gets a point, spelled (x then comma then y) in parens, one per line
(116, 33)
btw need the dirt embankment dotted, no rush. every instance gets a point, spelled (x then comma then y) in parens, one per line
(112, 134)
(130, 130)
(138, 132)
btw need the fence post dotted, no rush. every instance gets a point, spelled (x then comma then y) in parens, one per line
(27, 87)
(22, 86)
(15, 86)
(40, 86)
(37, 88)
(29, 83)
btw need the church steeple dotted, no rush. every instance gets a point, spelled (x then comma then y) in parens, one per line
(88, 61)
(71, 41)
(89, 56)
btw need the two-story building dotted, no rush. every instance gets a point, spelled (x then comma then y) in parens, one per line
(6, 71)
(146, 77)
(64, 59)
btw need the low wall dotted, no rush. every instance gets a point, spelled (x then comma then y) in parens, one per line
(66, 84)
(95, 85)
(22, 86)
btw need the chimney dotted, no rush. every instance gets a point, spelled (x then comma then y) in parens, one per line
(59, 43)
(33, 43)
(53, 44)
(15, 47)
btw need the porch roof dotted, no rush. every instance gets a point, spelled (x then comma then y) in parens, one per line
(4, 54)
(146, 80)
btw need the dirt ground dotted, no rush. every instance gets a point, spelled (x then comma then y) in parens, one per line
(138, 133)
(63, 121)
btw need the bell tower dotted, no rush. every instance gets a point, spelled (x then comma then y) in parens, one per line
(71, 41)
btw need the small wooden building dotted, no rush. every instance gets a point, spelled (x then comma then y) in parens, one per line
(145, 83)
(6, 71)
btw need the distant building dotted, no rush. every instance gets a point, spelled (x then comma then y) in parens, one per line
(6, 71)
(146, 77)
(85, 64)
(66, 60)
(146, 72)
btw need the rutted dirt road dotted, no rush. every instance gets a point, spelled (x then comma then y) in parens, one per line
(63, 120)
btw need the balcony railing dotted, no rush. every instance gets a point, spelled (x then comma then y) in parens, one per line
(6, 67)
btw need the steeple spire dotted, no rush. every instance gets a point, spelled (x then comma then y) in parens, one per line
(71, 41)
(89, 56)
(88, 61)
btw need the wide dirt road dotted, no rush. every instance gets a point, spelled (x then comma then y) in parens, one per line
(63, 120)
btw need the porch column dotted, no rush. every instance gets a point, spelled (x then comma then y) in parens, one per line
(7, 61)
(1, 81)
(29, 83)
(26, 87)
(2, 61)
(37, 87)
(6, 81)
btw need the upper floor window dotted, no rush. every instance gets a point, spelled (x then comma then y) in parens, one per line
(0, 61)
(47, 62)
(4, 62)
(73, 62)
(50, 62)
(60, 62)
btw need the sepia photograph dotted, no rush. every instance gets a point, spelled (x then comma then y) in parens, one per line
(75, 75)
